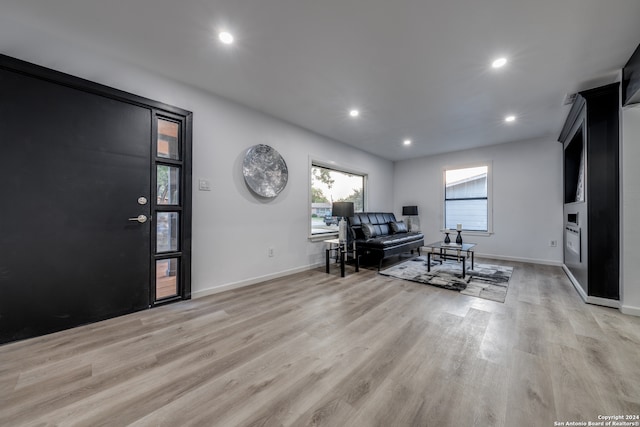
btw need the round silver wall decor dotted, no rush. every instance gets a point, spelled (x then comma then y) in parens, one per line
(264, 170)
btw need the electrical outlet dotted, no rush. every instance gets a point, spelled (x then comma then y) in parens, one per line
(553, 243)
(271, 252)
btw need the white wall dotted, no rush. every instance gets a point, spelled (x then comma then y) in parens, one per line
(232, 229)
(527, 197)
(630, 283)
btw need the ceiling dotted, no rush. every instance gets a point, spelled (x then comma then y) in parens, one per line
(417, 69)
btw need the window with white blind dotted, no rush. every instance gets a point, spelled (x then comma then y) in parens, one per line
(466, 198)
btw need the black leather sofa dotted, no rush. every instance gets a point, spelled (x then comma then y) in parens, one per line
(378, 235)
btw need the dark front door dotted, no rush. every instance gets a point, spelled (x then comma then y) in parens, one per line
(73, 169)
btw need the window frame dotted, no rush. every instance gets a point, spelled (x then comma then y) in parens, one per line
(489, 165)
(330, 164)
(182, 206)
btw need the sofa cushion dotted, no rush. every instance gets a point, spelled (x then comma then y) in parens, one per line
(382, 229)
(391, 240)
(370, 217)
(379, 221)
(398, 227)
(357, 233)
(369, 231)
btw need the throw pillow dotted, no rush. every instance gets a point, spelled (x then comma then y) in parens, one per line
(398, 227)
(369, 231)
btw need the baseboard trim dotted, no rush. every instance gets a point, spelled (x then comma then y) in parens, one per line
(252, 281)
(586, 298)
(518, 259)
(604, 302)
(630, 310)
(575, 283)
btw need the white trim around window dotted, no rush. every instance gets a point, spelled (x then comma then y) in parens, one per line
(329, 164)
(489, 165)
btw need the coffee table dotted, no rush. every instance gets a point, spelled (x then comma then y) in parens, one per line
(452, 251)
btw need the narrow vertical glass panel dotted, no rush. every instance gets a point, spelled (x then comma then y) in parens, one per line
(167, 231)
(168, 185)
(168, 139)
(166, 278)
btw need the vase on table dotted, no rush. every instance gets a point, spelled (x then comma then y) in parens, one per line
(446, 238)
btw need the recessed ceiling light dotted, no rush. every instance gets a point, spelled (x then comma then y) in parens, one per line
(225, 37)
(354, 113)
(510, 119)
(498, 63)
(407, 142)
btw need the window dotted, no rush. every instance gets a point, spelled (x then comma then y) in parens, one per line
(169, 210)
(466, 198)
(331, 185)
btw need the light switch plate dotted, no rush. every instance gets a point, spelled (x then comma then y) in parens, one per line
(204, 185)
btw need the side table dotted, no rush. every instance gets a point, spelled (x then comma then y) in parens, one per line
(342, 252)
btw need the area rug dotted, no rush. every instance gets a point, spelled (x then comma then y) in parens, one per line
(484, 281)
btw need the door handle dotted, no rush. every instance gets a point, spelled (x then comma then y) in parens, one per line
(140, 218)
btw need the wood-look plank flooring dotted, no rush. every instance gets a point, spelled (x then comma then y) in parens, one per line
(316, 349)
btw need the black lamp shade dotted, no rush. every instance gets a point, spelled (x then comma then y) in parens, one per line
(409, 210)
(342, 209)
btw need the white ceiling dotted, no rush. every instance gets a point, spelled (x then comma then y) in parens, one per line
(417, 69)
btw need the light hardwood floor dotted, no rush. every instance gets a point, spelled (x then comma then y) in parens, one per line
(317, 349)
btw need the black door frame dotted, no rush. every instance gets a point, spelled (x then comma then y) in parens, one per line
(157, 109)
(184, 208)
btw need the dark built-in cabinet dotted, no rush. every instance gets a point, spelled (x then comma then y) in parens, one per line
(631, 79)
(590, 138)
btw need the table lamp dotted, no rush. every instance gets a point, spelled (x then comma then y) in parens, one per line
(409, 211)
(342, 210)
